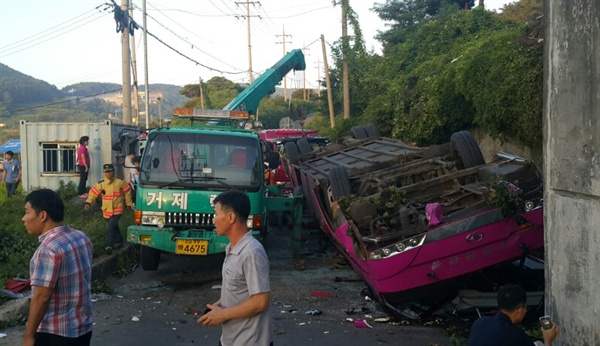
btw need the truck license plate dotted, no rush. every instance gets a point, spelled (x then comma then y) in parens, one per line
(191, 247)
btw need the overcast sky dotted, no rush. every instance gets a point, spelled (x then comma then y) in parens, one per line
(65, 42)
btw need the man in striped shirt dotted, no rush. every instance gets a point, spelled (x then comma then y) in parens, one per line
(61, 274)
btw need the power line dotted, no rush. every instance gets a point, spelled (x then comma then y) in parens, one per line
(192, 45)
(64, 101)
(303, 13)
(46, 32)
(187, 57)
(33, 43)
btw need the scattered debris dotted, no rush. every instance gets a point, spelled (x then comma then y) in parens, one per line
(354, 311)
(10, 294)
(362, 324)
(278, 331)
(382, 319)
(16, 285)
(301, 323)
(189, 310)
(135, 319)
(320, 294)
(100, 296)
(120, 297)
(216, 287)
(2, 335)
(314, 312)
(300, 265)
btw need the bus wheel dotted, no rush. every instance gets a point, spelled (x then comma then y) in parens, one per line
(468, 150)
(291, 150)
(339, 181)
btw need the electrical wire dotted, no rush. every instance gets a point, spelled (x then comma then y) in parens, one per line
(64, 101)
(33, 43)
(303, 13)
(192, 45)
(47, 32)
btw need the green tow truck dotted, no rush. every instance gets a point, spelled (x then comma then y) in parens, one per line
(183, 169)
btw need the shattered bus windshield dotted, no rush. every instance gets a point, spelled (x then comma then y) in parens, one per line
(204, 162)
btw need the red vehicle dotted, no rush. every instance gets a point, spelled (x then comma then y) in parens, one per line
(277, 134)
(413, 221)
(277, 138)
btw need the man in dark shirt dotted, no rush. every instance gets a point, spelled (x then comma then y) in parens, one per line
(502, 329)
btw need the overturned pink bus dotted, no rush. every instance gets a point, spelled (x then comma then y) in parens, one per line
(415, 221)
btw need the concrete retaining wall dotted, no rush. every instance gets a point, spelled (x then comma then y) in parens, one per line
(572, 168)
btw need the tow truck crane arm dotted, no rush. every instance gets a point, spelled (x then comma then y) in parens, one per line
(249, 99)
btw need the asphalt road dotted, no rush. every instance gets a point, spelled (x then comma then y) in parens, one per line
(157, 308)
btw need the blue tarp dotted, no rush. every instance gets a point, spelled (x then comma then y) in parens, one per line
(13, 144)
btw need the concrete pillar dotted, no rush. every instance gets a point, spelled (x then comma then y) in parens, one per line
(572, 168)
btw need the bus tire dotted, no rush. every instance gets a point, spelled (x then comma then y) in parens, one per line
(340, 182)
(467, 148)
(303, 146)
(358, 132)
(291, 150)
(372, 130)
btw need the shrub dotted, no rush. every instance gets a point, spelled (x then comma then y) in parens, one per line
(17, 246)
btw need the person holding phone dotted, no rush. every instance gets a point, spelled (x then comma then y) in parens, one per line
(243, 309)
(502, 329)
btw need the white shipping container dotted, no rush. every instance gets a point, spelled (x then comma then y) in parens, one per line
(48, 151)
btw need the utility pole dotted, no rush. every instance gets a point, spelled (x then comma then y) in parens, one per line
(146, 66)
(136, 100)
(328, 83)
(248, 3)
(318, 77)
(126, 70)
(304, 49)
(345, 60)
(201, 95)
(283, 40)
(159, 99)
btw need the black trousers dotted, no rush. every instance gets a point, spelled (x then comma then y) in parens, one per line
(47, 339)
(83, 175)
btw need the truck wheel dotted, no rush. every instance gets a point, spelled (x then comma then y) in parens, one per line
(358, 132)
(291, 150)
(372, 130)
(339, 181)
(150, 258)
(303, 146)
(467, 148)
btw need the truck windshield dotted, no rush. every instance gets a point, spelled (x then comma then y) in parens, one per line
(185, 160)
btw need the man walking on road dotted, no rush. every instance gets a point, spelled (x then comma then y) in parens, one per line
(243, 310)
(115, 195)
(61, 274)
(11, 176)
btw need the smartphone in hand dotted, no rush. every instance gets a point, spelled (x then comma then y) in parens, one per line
(546, 322)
